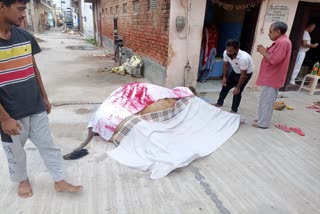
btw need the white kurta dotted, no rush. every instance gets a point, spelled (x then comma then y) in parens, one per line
(300, 57)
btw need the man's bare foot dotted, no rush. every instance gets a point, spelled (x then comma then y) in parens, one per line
(61, 186)
(25, 189)
(256, 125)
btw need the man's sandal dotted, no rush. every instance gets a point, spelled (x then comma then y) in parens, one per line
(282, 127)
(313, 107)
(297, 130)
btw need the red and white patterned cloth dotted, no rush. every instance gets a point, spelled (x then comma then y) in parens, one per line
(128, 100)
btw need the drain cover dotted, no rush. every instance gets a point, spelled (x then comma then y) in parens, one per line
(82, 47)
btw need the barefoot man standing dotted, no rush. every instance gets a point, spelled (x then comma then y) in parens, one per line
(273, 71)
(24, 104)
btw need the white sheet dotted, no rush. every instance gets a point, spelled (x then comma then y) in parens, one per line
(164, 146)
(128, 100)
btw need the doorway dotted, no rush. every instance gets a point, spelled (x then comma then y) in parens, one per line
(221, 25)
(305, 12)
(115, 30)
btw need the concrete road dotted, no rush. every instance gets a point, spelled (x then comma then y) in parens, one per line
(256, 171)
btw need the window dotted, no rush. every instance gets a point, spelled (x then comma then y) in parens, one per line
(136, 6)
(106, 9)
(124, 8)
(152, 4)
(117, 9)
(111, 11)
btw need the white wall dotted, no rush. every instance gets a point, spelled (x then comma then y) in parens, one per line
(67, 4)
(185, 45)
(87, 18)
(57, 3)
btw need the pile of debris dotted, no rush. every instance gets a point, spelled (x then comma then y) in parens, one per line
(133, 67)
(68, 31)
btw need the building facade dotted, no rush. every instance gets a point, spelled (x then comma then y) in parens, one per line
(87, 18)
(144, 27)
(39, 13)
(168, 34)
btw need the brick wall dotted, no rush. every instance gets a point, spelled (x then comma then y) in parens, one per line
(143, 24)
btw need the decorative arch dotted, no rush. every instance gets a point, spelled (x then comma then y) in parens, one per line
(236, 4)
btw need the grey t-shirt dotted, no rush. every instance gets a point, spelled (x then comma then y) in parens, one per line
(19, 92)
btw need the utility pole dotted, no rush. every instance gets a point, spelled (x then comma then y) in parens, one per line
(80, 17)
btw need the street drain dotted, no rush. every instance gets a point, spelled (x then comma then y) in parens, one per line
(82, 47)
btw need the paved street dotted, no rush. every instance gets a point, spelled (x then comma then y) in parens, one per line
(256, 171)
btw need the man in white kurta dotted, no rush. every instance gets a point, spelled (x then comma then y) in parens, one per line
(305, 46)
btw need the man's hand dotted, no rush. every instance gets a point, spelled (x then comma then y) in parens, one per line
(315, 45)
(47, 104)
(11, 127)
(224, 81)
(236, 91)
(262, 50)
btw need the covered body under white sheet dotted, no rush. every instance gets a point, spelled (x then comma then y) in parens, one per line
(128, 100)
(162, 146)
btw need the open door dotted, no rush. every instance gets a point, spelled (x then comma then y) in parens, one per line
(219, 26)
(249, 27)
(298, 26)
(305, 12)
(115, 30)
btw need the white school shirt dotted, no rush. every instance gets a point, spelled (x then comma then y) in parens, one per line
(242, 61)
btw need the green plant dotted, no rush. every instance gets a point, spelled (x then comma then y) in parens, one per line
(92, 41)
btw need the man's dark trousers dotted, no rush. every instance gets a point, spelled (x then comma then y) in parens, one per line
(232, 81)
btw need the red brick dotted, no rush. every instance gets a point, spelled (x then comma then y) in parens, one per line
(139, 31)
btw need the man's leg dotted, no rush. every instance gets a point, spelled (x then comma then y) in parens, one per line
(40, 135)
(237, 98)
(300, 57)
(225, 89)
(267, 99)
(17, 161)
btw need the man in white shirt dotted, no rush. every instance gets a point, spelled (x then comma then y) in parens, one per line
(305, 46)
(242, 68)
